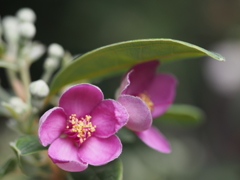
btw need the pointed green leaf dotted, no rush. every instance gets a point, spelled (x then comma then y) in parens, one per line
(27, 145)
(7, 167)
(183, 114)
(110, 171)
(117, 58)
(24, 148)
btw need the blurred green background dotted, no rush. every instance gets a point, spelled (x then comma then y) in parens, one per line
(207, 151)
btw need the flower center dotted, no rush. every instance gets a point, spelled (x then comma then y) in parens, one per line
(147, 100)
(79, 129)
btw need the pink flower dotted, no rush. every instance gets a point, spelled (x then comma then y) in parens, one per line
(146, 95)
(81, 130)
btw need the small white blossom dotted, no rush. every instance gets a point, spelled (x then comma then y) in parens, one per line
(27, 30)
(37, 50)
(39, 89)
(224, 77)
(18, 105)
(26, 15)
(10, 28)
(51, 63)
(55, 50)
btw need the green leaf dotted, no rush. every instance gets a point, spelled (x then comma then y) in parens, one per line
(110, 171)
(117, 58)
(183, 114)
(7, 167)
(24, 148)
(27, 145)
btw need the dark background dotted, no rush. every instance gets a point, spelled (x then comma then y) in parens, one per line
(208, 151)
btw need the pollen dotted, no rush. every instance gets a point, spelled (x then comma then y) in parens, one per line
(147, 100)
(81, 128)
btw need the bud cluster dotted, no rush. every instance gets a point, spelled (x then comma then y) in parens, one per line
(19, 51)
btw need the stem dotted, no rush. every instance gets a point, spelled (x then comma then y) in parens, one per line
(69, 177)
(31, 120)
(24, 68)
(47, 76)
(16, 84)
(25, 77)
(12, 76)
(8, 65)
(57, 173)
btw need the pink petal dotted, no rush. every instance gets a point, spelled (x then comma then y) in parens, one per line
(109, 116)
(51, 125)
(124, 84)
(140, 117)
(98, 151)
(80, 99)
(140, 77)
(155, 139)
(64, 153)
(162, 93)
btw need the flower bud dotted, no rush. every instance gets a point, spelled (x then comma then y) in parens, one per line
(224, 78)
(26, 15)
(39, 89)
(27, 30)
(51, 63)
(18, 105)
(10, 28)
(67, 58)
(55, 50)
(37, 50)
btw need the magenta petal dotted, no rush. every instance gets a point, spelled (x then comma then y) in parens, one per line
(162, 92)
(109, 116)
(80, 99)
(98, 151)
(51, 125)
(155, 139)
(124, 84)
(140, 117)
(64, 153)
(140, 77)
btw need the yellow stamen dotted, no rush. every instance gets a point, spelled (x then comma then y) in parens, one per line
(83, 127)
(147, 100)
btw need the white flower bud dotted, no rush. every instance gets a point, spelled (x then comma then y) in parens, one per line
(39, 89)
(67, 58)
(55, 50)
(224, 77)
(27, 30)
(10, 28)
(18, 105)
(51, 63)
(37, 50)
(26, 15)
